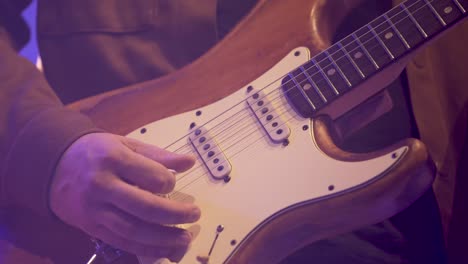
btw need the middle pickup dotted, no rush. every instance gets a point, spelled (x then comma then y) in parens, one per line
(268, 117)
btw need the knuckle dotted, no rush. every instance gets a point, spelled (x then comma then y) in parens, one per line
(98, 184)
(110, 157)
(167, 183)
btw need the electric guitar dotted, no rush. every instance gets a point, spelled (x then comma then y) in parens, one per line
(256, 111)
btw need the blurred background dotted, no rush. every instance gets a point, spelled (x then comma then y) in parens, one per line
(30, 51)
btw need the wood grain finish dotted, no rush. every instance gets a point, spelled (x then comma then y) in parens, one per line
(294, 228)
(264, 37)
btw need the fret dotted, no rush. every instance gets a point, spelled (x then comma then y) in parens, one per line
(397, 32)
(366, 51)
(389, 36)
(406, 26)
(414, 21)
(325, 77)
(373, 46)
(297, 96)
(310, 97)
(447, 10)
(358, 56)
(424, 15)
(309, 87)
(303, 91)
(312, 83)
(344, 59)
(340, 71)
(333, 72)
(462, 8)
(376, 36)
(314, 74)
(442, 21)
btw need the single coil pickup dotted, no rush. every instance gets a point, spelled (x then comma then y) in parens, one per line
(210, 153)
(266, 114)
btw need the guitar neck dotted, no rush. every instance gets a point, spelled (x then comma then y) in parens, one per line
(365, 52)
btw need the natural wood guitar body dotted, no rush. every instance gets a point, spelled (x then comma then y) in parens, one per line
(263, 38)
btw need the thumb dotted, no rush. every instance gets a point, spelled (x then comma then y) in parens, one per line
(171, 160)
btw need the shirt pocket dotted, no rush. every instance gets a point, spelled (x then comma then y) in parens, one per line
(62, 17)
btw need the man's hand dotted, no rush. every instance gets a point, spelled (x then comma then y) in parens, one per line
(106, 185)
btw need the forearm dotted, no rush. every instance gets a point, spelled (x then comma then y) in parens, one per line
(35, 129)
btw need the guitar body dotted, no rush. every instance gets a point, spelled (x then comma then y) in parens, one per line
(281, 195)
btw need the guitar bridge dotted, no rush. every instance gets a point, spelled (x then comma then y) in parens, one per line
(210, 153)
(266, 114)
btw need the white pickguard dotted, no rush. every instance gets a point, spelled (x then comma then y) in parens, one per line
(266, 177)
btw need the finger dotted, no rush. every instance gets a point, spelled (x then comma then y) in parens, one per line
(149, 207)
(146, 174)
(171, 160)
(140, 249)
(140, 231)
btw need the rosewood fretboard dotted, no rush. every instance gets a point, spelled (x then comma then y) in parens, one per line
(349, 62)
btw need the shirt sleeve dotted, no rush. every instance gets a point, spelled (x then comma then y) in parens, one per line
(35, 130)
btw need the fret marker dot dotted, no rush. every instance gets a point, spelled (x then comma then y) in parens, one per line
(389, 35)
(330, 72)
(358, 55)
(448, 10)
(306, 86)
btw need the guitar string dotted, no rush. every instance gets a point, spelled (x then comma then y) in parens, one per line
(369, 49)
(177, 193)
(246, 125)
(425, 5)
(201, 165)
(174, 194)
(221, 139)
(353, 42)
(232, 156)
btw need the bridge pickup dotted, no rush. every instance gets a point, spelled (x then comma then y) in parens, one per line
(210, 153)
(270, 120)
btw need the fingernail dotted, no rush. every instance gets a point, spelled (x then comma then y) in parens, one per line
(185, 239)
(196, 213)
